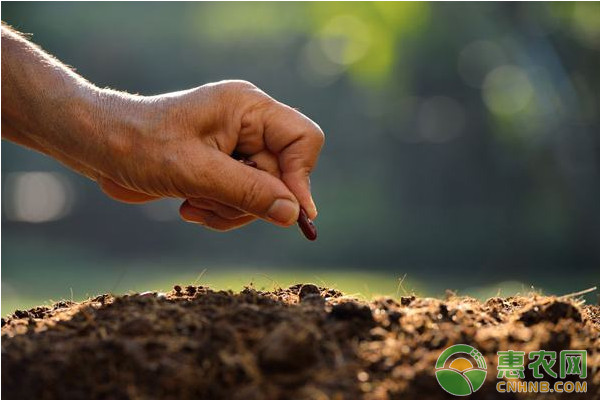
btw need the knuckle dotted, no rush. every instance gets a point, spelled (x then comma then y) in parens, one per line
(319, 137)
(236, 85)
(317, 134)
(243, 83)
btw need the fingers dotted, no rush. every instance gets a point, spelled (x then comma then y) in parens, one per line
(297, 154)
(210, 219)
(251, 190)
(299, 183)
(267, 161)
(293, 138)
(123, 194)
(222, 210)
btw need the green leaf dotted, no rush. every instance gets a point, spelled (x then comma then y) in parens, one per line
(453, 382)
(476, 376)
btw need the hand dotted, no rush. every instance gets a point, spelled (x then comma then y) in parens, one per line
(179, 144)
(182, 143)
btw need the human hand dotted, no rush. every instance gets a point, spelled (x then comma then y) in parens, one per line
(181, 146)
(141, 148)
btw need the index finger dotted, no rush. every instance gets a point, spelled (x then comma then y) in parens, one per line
(297, 142)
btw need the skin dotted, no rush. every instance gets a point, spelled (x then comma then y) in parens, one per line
(143, 148)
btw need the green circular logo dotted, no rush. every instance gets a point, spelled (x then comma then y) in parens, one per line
(461, 377)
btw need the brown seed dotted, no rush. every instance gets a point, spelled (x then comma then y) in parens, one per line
(306, 225)
(244, 160)
(249, 163)
(177, 288)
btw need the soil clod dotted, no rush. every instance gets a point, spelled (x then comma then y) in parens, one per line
(308, 290)
(351, 311)
(552, 311)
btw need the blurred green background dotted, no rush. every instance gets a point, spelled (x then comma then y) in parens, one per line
(462, 151)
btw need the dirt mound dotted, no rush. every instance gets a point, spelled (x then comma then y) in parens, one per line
(303, 342)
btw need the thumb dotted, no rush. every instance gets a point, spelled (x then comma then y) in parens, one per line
(254, 191)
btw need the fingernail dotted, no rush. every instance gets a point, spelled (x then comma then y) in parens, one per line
(283, 211)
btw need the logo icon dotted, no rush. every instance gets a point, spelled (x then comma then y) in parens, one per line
(461, 376)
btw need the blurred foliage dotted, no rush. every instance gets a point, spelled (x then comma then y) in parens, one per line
(463, 140)
(360, 37)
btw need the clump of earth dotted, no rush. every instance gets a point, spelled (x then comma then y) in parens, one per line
(301, 342)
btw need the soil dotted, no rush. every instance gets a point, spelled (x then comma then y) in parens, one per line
(303, 342)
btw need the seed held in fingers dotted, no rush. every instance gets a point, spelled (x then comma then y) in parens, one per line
(249, 163)
(244, 160)
(306, 225)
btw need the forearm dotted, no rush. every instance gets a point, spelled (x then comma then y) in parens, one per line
(48, 107)
(172, 145)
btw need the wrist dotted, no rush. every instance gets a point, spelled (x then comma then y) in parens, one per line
(115, 124)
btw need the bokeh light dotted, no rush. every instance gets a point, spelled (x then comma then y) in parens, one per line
(507, 90)
(316, 68)
(585, 23)
(345, 39)
(37, 196)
